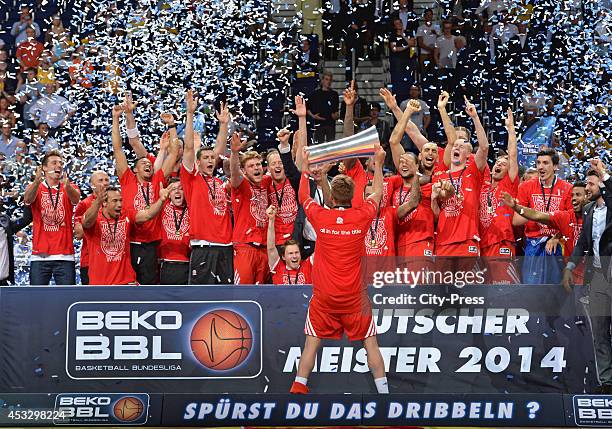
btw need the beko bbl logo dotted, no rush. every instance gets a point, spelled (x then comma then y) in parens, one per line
(164, 340)
(102, 408)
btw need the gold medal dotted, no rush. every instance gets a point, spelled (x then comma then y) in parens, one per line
(147, 207)
(491, 210)
(178, 232)
(373, 243)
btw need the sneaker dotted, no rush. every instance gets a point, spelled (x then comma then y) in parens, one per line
(298, 388)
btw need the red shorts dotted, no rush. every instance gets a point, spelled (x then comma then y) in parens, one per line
(417, 257)
(322, 324)
(498, 260)
(420, 248)
(457, 256)
(250, 265)
(465, 248)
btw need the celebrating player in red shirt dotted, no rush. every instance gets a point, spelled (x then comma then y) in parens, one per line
(289, 269)
(212, 256)
(339, 301)
(568, 222)
(546, 193)
(174, 246)
(497, 242)
(52, 208)
(99, 179)
(107, 224)
(249, 202)
(282, 196)
(140, 188)
(458, 216)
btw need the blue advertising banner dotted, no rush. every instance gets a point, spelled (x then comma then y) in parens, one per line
(434, 339)
(537, 135)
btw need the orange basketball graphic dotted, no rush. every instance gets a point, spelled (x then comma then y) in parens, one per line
(221, 340)
(128, 409)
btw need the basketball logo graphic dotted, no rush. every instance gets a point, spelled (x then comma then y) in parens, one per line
(405, 197)
(259, 204)
(168, 220)
(52, 217)
(289, 207)
(128, 409)
(486, 218)
(221, 340)
(452, 207)
(139, 200)
(380, 236)
(540, 205)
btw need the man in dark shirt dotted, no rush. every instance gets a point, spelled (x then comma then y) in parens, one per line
(323, 110)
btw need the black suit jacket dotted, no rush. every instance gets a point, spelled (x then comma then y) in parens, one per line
(11, 227)
(584, 246)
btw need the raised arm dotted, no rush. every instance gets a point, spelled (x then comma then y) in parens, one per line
(121, 164)
(377, 184)
(413, 201)
(398, 132)
(236, 145)
(302, 137)
(513, 167)
(223, 116)
(90, 216)
(73, 194)
(188, 149)
(391, 102)
(133, 134)
(449, 128)
(32, 189)
(350, 98)
(273, 256)
(483, 143)
(162, 154)
(147, 214)
(526, 212)
(171, 158)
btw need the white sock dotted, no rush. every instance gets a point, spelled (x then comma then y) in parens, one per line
(381, 385)
(304, 381)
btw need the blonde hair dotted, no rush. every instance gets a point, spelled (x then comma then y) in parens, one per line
(247, 156)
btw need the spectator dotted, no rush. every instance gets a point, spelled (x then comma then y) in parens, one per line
(5, 112)
(8, 227)
(504, 30)
(323, 109)
(42, 142)
(333, 25)
(311, 16)
(80, 70)
(307, 59)
(46, 72)
(56, 32)
(18, 31)
(427, 33)
(28, 92)
(422, 117)
(403, 61)
(361, 108)
(51, 108)
(534, 102)
(8, 141)
(410, 22)
(29, 51)
(445, 50)
(383, 129)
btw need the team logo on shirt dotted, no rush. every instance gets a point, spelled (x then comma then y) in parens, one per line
(380, 238)
(218, 200)
(113, 243)
(289, 207)
(339, 221)
(397, 202)
(53, 218)
(258, 206)
(301, 279)
(540, 204)
(170, 226)
(577, 231)
(453, 206)
(139, 200)
(486, 218)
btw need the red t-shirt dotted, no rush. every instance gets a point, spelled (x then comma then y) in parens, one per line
(530, 195)
(79, 212)
(418, 225)
(570, 228)
(497, 226)
(136, 196)
(440, 166)
(29, 53)
(338, 286)
(281, 275)
(52, 221)
(283, 195)
(109, 249)
(458, 220)
(174, 245)
(361, 178)
(207, 200)
(249, 203)
(380, 237)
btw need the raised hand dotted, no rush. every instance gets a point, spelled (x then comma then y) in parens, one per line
(64, 178)
(442, 100)
(118, 111)
(300, 107)
(379, 155)
(164, 193)
(598, 166)
(129, 104)
(191, 101)
(470, 109)
(100, 194)
(38, 177)
(283, 136)
(388, 97)
(305, 157)
(414, 106)
(223, 115)
(271, 212)
(509, 120)
(350, 95)
(236, 143)
(167, 118)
